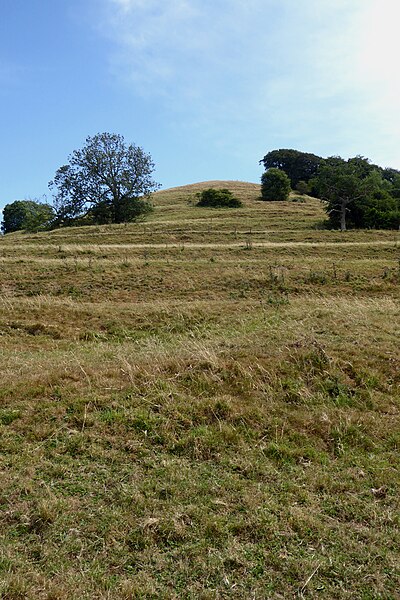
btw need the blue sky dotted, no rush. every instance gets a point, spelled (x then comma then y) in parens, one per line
(207, 87)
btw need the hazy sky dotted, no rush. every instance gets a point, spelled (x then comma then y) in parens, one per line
(206, 86)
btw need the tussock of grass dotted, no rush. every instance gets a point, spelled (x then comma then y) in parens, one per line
(207, 420)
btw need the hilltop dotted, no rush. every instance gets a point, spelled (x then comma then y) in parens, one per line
(243, 190)
(204, 405)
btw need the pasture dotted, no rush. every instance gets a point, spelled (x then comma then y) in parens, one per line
(203, 405)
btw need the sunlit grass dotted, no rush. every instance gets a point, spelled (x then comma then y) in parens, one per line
(185, 413)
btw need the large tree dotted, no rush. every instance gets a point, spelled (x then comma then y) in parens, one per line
(26, 215)
(392, 176)
(355, 192)
(107, 181)
(298, 166)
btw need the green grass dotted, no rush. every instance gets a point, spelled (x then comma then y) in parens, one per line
(203, 405)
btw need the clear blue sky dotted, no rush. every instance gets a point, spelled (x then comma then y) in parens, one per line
(207, 87)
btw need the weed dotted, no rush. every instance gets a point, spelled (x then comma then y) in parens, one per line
(7, 416)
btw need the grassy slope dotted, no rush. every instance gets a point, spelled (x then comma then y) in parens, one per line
(200, 406)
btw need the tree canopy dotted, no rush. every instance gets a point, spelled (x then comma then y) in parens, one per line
(107, 181)
(275, 185)
(298, 166)
(26, 215)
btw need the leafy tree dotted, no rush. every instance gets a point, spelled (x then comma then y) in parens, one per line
(362, 166)
(391, 175)
(334, 160)
(298, 166)
(106, 181)
(302, 187)
(275, 185)
(378, 210)
(395, 189)
(353, 189)
(218, 199)
(26, 215)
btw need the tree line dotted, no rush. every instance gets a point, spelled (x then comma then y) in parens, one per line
(355, 192)
(109, 181)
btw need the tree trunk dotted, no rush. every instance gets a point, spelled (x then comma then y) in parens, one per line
(343, 217)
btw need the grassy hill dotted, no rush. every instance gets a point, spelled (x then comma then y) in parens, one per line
(203, 405)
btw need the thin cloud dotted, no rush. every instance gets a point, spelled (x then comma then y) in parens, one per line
(180, 42)
(299, 70)
(198, 47)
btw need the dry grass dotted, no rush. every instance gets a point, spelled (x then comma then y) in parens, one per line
(191, 410)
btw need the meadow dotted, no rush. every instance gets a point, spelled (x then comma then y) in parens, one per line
(203, 405)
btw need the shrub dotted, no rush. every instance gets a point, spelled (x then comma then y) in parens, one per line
(132, 209)
(218, 199)
(275, 185)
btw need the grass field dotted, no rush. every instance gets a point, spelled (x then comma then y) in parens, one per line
(204, 405)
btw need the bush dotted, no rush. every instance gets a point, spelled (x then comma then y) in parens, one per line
(275, 185)
(218, 199)
(128, 210)
(380, 219)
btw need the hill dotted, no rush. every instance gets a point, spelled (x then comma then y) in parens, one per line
(243, 190)
(201, 405)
